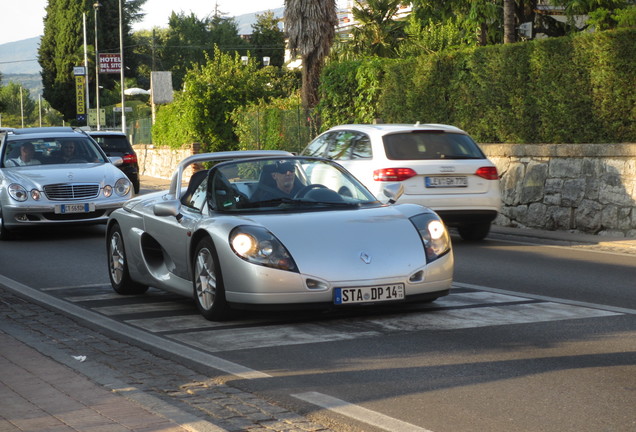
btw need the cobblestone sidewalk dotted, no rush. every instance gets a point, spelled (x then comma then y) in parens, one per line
(187, 398)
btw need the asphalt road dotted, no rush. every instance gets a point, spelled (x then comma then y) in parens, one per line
(537, 335)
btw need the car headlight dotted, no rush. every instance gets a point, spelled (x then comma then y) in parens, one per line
(434, 235)
(18, 192)
(122, 187)
(259, 246)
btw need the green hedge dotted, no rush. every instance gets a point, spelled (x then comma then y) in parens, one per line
(572, 89)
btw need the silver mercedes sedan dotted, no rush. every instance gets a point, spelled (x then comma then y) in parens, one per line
(58, 175)
(270, 230)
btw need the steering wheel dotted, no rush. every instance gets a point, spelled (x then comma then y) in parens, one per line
(301, 193)
(77, 160)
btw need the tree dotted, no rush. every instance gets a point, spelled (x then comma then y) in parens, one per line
(2, 106)
(267, 39)
(478, 21)
(185, 44)
(62, 45)
(509, 21)
(187, 41)
(224, 33)
(310, 26)
(377, 31)
(211, 92)
(18, 105)
(603, 14)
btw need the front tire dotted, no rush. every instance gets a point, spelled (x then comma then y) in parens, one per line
(118, 272)
(474, 232)
(209, 293)
(5, 234)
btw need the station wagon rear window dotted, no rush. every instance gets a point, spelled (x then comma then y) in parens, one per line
(433, 145)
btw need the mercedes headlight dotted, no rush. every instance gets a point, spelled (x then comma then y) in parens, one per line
(434, 235)
(259, 246)
(18, 192)
(122, 187)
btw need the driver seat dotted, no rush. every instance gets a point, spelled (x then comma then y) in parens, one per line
(194, 183)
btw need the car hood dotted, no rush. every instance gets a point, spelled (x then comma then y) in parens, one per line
(40, 175)
(361, 244)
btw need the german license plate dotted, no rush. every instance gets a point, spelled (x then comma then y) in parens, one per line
(368, 294)
(446, 181)
(74, 208)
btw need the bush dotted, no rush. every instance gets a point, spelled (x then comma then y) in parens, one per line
(572, 89)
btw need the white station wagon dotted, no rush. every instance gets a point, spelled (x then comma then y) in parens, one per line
(440, 166)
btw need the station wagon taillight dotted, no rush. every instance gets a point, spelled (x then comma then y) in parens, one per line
(130, 158)
(393, 174)
(488, 173)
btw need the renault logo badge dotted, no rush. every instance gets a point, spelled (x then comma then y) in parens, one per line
(365, 258)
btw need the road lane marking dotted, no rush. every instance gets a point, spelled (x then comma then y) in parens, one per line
(357, 412)
(616, 309)
(72, 287)
(140, 308)
(264, 336)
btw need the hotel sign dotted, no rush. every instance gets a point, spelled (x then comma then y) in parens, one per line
(109, 63)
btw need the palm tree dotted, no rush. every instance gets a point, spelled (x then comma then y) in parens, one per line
(378, 31)
(311, 27)
(509, 21)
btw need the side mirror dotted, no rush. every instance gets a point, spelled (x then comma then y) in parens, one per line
(116, 160)
(393, 191)
(168, 208)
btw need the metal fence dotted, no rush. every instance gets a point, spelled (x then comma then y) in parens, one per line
(140, 131)
(261, 128)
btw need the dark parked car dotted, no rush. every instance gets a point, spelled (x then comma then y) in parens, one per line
(117, 144)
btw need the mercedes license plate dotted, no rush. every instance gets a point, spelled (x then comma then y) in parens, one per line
(74, 208)
(368, 294)
(446, 181)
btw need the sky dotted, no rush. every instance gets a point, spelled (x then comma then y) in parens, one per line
(25, 21)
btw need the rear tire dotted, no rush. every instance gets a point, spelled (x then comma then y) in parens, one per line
(118, 272)
(136, 186)
(207, 282)
(474, 232)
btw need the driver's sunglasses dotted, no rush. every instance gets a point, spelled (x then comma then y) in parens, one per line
(284, 168)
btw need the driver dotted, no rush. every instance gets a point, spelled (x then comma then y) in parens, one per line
(285, 184)
(68, 151)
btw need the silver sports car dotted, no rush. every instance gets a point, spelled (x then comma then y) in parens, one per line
(56, 175)
(270, 230)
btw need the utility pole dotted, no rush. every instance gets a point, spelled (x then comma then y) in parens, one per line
(121, 55)
(21, 107)
(96, 6)
(88, 99)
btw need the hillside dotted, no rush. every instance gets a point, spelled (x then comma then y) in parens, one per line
(20, 57)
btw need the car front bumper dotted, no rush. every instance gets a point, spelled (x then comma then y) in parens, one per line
(270, 288)
(15, 216)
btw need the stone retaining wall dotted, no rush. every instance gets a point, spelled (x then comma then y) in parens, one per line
(588, 188)
(160, 162)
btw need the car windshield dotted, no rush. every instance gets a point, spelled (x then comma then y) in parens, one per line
(283, 184)
(419, 145)
(50, 151)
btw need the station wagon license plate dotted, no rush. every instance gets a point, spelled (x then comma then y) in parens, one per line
(74, 208)
(446, 181)
(368, 294)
